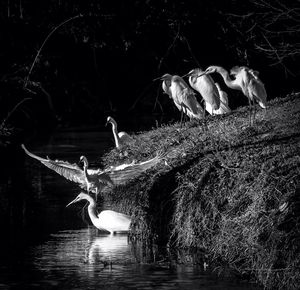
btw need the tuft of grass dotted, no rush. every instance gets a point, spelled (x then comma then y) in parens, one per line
(228, 189)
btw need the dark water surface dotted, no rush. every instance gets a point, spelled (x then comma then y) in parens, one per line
(45, 245)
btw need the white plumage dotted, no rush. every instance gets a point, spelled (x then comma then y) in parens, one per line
(94, 180)
(206, 87)
(182, 96)
(121, 138)
(107, 220)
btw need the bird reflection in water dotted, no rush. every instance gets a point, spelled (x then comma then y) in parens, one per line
(109, 249)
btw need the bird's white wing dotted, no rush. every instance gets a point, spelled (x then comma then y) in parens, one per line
(125, 172)
(70, 171)
(237, 69)
(109, 214)
(125, 137)
(258, 91)
(223, 97)
(100, 177)
(188, 99)
(208, 108)
(166, 89)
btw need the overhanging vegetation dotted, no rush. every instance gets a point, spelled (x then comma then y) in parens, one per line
(230, 189)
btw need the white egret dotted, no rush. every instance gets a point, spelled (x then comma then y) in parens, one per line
(94, 180)
(207, 89)
(121, 138)
(107, 220)
(182, 95)
(246, 80)
(224, 108)
(223, 95)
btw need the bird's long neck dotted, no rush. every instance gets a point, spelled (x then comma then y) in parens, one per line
(92, 210)
(85, 168)
(228, 81)
(115, 133)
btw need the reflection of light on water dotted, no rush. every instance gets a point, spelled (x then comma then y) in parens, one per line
(109, 248)
(64, 249)
(76, 248)
(74, 259)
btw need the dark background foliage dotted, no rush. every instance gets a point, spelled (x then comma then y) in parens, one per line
(103, 59)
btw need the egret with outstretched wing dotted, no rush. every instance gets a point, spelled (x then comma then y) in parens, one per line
(94, 180)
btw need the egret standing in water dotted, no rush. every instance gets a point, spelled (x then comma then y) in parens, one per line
(94, 180)
(121, 138)
(182, 96)
(246, 80)
(107, 220)
(206, 87)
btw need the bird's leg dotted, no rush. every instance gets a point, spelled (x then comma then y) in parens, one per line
(181, 117)
(254, 112)
(250, 111)
(265, 113)
(96, 194)
(204, 118)
(185, 118)
(86, 204)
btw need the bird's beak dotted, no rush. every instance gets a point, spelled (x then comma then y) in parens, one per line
(106, 123)
(73, 201)
(201, 74)
(187, 75)
(156, 79)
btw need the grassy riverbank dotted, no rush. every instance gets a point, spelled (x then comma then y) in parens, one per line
(232, 190)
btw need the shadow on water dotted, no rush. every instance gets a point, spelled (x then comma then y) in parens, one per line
(46, 246)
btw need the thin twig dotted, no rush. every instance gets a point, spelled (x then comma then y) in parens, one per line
(191, 52)
(10, 113)
(276, 53)
(140, 96)
(160, 63)
(169, 48)
(48, 36)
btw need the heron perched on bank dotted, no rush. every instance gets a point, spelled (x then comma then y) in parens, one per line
(247, 81)
(107, 220)
(94, 180)
(182, 95)
(224, 108)
(206, 87)
(121, 138)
